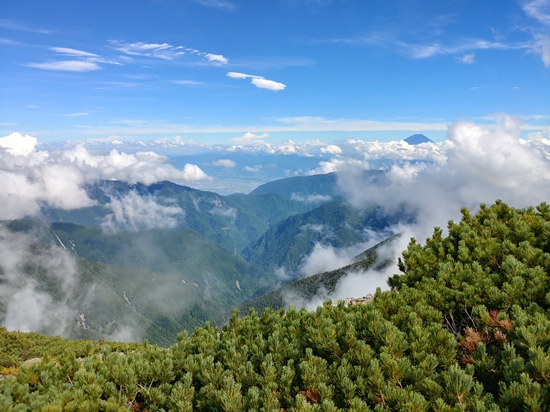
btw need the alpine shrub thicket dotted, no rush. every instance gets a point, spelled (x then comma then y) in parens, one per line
(465, 326)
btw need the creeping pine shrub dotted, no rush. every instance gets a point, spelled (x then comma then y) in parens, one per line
(464, 327)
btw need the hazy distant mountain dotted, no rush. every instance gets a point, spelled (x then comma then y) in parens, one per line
(313, 189)
(303, 187)
(418, 139)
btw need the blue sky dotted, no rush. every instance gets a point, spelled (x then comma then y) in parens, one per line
(234, 71)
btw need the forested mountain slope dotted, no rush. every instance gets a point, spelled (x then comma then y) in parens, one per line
(336, 224)
(312, 286)
(154, 283)
(232, 221)
(465, 327)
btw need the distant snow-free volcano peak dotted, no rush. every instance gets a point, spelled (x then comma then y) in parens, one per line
(417, 139)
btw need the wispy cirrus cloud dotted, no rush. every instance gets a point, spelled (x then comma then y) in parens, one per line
(16, 25)
(159, 50)
(422, 51)
(164, 51)
(428, 43)
(538, 10)
(286, 124)
(258, 81)
(250, 137)
(188, 82)
(77, 114)
(425, 49)
(73, 52)
(79, 61)
(67, 65)
(217, 4)
(543, 47)
(468, 58)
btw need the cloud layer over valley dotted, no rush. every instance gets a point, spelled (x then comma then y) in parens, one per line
(476, 164)
(25, 274)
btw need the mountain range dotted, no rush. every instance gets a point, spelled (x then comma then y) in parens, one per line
(132, 280)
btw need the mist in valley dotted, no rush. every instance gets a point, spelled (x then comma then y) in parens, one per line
(425, 184)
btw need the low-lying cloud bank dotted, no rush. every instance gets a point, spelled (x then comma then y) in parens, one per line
(479, 165)
(134, 212)
(476, 164)
(24, 274)
(32, 178)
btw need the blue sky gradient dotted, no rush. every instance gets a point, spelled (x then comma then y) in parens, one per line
(235, 72)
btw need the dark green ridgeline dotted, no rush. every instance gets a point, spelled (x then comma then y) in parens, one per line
(308, 288)
(204, 212)
(464, 328)
(338, 224)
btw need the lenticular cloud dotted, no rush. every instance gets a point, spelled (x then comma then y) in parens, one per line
(32, 178)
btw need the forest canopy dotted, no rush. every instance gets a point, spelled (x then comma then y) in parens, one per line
(465, 326)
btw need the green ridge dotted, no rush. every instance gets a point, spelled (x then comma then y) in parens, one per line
(464, 328)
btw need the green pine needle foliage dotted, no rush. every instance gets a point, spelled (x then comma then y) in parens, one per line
(466, 327)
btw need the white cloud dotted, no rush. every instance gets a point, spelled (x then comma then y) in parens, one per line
(67, 65)
(477, 164)
(258, 81)
(164, 51)
(326, 258)
(315, 123)
(188, 82)
(78, 114)
(262, 83)
(30, 308)
(286, 124)
(230, 212)
(250, 137)
(218, 4)
(135, 212)
(361, 283)
(543, 47)
(254, 169)
(159, 50)
(31, 178)
(236, 75)
(216, 58)
(423, 51)
(18, 145)
(15, 25)
(468, 58)
(224, 163)
(539, 10)
(339, 165)
(72, 52)
(331, 149)
(309, 198)
(86, 61)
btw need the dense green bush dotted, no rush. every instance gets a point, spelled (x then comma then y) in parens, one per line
(465, 327)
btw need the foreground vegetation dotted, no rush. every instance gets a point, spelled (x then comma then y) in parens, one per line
(466, 326)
